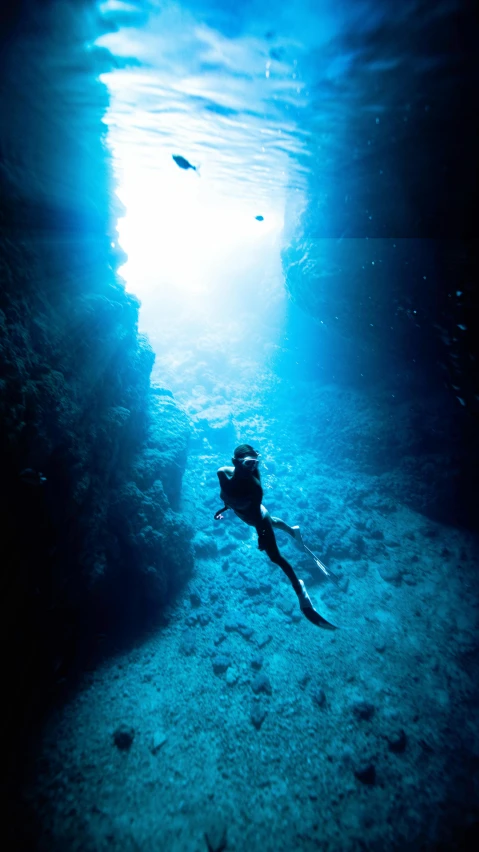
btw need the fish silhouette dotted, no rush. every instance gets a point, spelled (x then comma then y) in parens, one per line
(182, 162)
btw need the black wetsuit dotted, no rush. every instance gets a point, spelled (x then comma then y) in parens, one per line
(245, 501)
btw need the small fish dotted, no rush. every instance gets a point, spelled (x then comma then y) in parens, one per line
(182, 162)
(259, 218)
(32, 477)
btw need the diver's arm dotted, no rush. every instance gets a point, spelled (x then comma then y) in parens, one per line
(224, 475)
(219, 513)
(224, 480)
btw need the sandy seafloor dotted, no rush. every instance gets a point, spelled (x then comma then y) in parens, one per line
(247, 719)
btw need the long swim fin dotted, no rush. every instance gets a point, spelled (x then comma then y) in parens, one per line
(315, 618)
(302, 546)
(307, 608)
(322, 567)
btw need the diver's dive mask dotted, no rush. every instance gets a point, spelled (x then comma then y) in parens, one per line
(250, 462)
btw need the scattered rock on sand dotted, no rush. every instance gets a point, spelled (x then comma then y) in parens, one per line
(220, 663)
(390, 573)
(234, 622)
(158, 740)
(397, 742)
(188, 642)
(123, 737)
(215, 837)
(204, 546)
(304, 680)
(363, 710)
(262, 683)
(195, 598)
(258, 715)
(361, 569)
(366, 773)
(263, 639)
(319, 696)
(231, 676)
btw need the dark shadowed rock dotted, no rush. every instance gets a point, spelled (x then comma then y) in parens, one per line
(216, 836)
(319, 696)
(258, 715)
(397, 742)
(363, 710)
(220, 663)
(390, 572)
(195, 598)
(366, 773)
(261, 683)
(123, 737)
(253, 589)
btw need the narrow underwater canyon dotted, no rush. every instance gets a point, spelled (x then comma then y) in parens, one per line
(117, 584)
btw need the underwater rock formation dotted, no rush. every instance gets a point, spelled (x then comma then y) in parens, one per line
(94, 538)
(383, 254)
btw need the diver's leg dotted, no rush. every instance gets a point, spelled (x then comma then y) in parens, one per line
(267, 542)
(294, 532)
(282, 525)
(278, 523)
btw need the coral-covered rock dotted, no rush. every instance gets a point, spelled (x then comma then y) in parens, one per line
(99, 544)
(217, 425)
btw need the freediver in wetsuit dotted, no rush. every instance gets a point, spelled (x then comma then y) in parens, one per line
(242, 492)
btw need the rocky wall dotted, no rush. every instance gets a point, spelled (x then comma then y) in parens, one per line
(93, 539)
(384, 255)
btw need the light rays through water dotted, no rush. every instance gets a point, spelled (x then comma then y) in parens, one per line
(194, 235)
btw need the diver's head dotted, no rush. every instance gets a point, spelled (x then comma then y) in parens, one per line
(246, 458)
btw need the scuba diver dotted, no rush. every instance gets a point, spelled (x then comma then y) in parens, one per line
(242, 492)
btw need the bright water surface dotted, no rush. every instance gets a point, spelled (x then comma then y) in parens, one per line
(260, 99)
